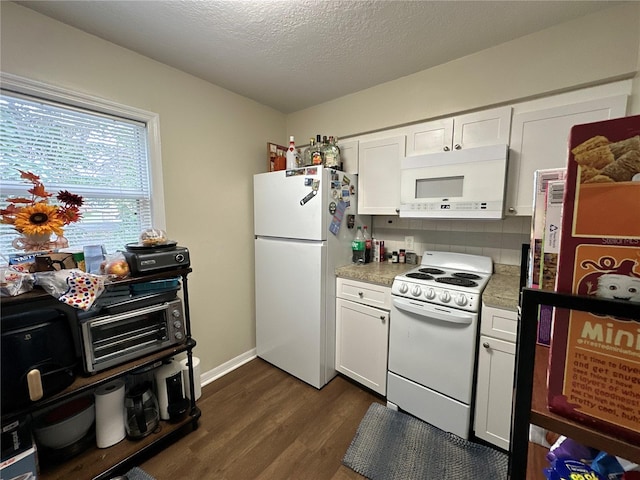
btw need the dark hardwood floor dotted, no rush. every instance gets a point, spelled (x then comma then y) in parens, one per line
(258, 422)
(261, 423)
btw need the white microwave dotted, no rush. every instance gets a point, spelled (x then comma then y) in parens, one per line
(460, 184)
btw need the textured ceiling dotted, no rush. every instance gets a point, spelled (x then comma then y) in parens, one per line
(297, 53)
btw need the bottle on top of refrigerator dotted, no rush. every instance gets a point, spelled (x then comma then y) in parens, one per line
(292, 154)
(316, 153)
(308, 152)
(367, 245)
(357, 248)
(331, 154)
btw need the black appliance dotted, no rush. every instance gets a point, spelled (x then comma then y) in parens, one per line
(38, 356)
(178, 404)
(147, 259)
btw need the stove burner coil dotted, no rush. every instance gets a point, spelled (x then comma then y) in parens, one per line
(468, 276)
(433, 271)
(419, 275)
(460, 282)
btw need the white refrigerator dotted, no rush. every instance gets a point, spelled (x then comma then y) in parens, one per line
(301, 221)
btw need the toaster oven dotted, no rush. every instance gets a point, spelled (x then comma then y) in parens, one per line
(112, 339)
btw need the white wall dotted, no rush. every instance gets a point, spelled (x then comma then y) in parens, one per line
(592, 49)
(213, 141)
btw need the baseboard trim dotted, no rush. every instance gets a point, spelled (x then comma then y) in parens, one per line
(221, 370)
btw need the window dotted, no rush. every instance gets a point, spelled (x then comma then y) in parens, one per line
(102, 151)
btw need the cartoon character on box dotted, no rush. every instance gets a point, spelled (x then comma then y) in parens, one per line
(615, 282)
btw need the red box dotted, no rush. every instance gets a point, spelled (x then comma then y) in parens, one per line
(594, 366)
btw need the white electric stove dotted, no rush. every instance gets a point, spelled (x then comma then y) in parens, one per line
(433, 337)
(446, 278)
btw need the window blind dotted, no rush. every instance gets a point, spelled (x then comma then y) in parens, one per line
(101, 157)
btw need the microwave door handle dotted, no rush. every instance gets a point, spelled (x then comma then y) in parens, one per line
(425, 311)
(134, 313)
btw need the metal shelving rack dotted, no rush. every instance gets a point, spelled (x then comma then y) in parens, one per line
(102, 464)
(529, 405)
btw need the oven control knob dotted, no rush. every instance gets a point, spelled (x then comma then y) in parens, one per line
(431, 294)
(403, 288)
(177, 324)
(179, 335)
(445, 296)
(416, 291)
(176, 313)
(180, 258)
(461, 300)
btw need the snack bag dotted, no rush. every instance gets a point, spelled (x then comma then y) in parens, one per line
(115, 266)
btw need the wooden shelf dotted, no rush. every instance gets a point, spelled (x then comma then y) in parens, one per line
(38, 294)
(540, 415)
(85, 384)
(99, 463)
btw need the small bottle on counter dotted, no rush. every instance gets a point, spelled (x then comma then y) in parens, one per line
(357, 248)
(394, 257)
(376, 249)
(401, 256)
(367, 245)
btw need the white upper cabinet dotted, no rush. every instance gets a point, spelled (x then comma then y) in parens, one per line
(539, 140)
(430, 137)
(487, 127)
(349, 155)
(379, 175)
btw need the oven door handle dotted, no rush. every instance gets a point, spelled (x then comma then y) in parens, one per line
(428, 311)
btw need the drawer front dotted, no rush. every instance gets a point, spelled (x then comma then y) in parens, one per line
(366, 293)
(498, 323)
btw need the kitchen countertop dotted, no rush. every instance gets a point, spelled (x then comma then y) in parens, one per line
(502, 291)
(380, 273)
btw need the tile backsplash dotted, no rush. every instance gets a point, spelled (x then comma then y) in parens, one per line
(499, 239)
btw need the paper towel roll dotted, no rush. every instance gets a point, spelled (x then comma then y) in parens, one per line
(196, 377)
(110, 414)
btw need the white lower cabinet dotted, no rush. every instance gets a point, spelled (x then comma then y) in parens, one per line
(496, 367)
(362, 332)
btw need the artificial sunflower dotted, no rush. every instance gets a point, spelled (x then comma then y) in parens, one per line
(39, 219)
(35, 215)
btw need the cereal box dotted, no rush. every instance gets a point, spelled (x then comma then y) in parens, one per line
(542, 179)
(541, 183)
(594, 367)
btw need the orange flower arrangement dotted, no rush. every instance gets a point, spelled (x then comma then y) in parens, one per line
(35, 215)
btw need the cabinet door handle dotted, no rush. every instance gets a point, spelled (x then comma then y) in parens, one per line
(512, 210)
(458, 146)
(446, 149)
(486, 345)
(383, 317)
(34, 384)
(361, 294)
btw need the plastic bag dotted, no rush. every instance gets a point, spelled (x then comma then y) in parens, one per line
(14, 282)
(115, 266)
(73, 286)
